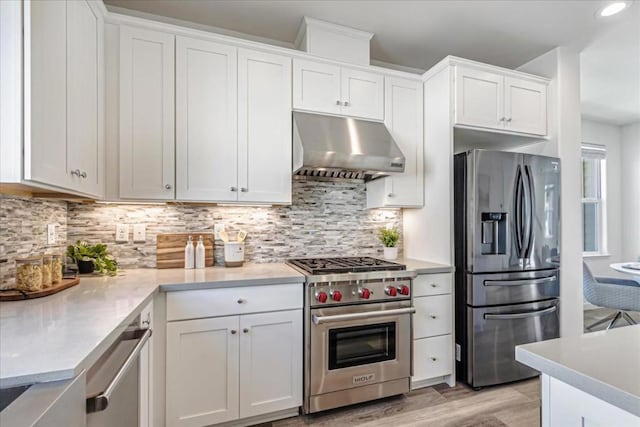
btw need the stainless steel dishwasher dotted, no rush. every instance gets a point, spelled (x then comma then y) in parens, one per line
(113, 381)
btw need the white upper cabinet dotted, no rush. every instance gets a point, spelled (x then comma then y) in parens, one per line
(362, 94)
(206, 120)
(491, 100)
(404, 119)
(327, 88)
(146, 114)
(264, 131)
(525, 106)
(62, 92)
(316, 86)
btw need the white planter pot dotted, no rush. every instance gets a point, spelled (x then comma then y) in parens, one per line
(390, 253)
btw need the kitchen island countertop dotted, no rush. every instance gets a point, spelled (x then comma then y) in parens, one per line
(603, 364)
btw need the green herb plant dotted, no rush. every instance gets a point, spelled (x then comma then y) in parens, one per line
(389, 236)
(103, 262)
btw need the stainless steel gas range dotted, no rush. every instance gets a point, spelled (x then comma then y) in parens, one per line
(358, 322)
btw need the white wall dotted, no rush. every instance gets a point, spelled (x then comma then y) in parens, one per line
(608, 135)
(563, 66)
(631, 192)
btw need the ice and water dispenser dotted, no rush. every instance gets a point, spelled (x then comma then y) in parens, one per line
(494, 233)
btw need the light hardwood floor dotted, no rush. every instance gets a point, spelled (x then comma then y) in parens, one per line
(512, 405)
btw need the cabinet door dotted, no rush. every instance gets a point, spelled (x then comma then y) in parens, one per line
(270, 362)
(479, 98)
(146, 387)
(362, 94)
(202, 371)
(146, 114)
(206, 120)
(264, 131)
(316, 87)
(525, 106)
(45, 93)
(432, 357)
(403, 118)
(84, 146)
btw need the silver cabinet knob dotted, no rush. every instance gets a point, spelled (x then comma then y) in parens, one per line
(233, 332)
(433, 285)
(338, 102)
(244, 189)
(346, 103)
(245, 330)
(75, 172)
(167, 186)
(433, 358)
(433, 316)
(83, 174)
(233, 189)
(240, 301)
(502, 119)
(391, 195)
(509, 120)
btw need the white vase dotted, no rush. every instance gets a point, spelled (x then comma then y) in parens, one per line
(390, 253)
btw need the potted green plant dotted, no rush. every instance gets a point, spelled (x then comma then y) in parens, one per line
(92, 257)
(389, 238)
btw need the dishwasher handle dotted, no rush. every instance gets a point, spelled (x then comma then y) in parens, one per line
(101, 401)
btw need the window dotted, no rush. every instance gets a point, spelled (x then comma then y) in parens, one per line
(593, 199)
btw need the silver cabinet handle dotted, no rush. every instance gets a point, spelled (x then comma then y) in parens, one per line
(245, 330)
(509, 119)
(167, 186)
(434, 285)
(338, 103)
(83, 174)
(240, 301)
(233, 189)
(433, 316)
(75, 172)
(101, 401)
(233, 332)
(433, 359)
(521, 282)
(346, 103)
(510, 316)
(364, 315)
(391, 195)
(244, 189)
(502, 119)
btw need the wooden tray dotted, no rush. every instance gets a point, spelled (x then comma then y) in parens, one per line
(15, 295)
(170, 249)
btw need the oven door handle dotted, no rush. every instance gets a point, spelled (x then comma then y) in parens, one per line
(364, 315)
(523, 315)
(521, 282)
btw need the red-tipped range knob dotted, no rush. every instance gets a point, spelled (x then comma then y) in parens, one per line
(391, 291)
(365, 293)
(321, 297)
(336, 295)
(404, 290)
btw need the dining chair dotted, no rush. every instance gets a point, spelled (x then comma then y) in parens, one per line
(622, 295)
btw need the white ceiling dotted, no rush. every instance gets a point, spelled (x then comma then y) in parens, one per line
(417, 34)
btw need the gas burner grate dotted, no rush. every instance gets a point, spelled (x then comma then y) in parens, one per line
(344, 265)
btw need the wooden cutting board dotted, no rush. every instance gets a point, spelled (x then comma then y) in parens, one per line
(170, 249)
(16, 295)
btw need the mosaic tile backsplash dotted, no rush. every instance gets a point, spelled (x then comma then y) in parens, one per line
(23, 231)
(325, 219)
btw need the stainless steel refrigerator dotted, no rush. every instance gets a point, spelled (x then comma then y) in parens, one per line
(507, 257)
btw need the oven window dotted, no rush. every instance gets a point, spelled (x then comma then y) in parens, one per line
(360, 345)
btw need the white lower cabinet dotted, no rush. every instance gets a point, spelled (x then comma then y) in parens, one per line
(432, 330)
(234, 367)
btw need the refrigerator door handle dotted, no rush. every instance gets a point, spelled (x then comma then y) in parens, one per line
(524, 315)
(539, 281)
(529, 195)
(518, 208)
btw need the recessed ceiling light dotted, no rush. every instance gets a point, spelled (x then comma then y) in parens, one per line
(613, 8)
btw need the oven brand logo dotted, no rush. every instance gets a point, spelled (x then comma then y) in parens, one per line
(359, 379)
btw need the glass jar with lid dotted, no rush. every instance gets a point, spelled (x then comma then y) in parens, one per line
(47, 269)
(29, 274)
(56, 270)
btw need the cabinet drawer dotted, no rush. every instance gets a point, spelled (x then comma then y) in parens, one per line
(432, 284)
(228, 301)
(432, 357)
(433, 316)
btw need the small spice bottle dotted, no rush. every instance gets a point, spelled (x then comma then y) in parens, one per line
(47, 267)
(29, 274)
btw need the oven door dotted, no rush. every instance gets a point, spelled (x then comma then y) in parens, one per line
(359, 345)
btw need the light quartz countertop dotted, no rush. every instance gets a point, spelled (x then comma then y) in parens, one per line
(603, 364)
(424, 267)
(56, 337)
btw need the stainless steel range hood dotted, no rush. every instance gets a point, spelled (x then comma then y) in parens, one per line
(343, 147)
